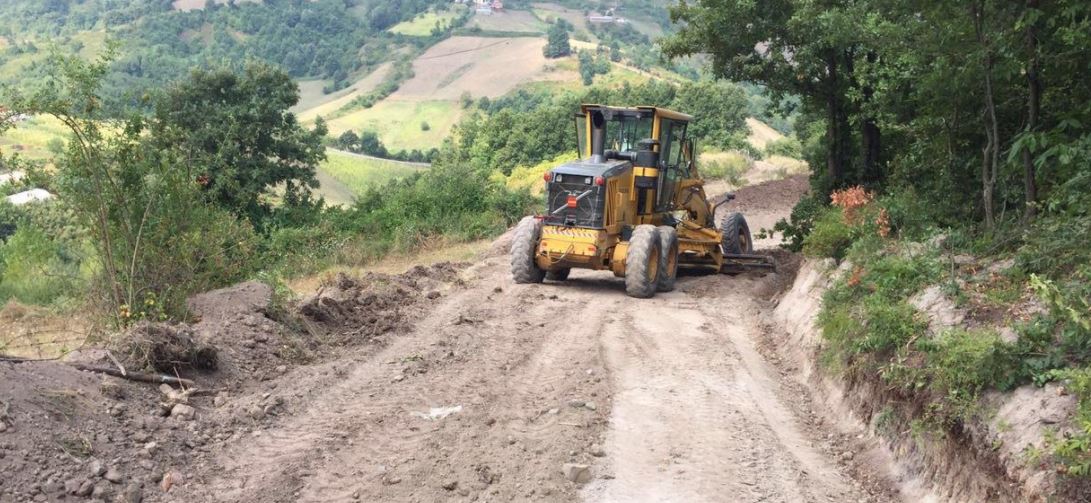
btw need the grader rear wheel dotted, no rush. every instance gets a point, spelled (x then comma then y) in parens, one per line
(642, 262)
(668, 257)
(524, 244)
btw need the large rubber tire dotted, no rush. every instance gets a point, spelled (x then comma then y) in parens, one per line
(736, 235)
(558, 275)
(668, 257)
(642, 262)
(524, 244)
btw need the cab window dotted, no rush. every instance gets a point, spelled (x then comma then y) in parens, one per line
(672, 136)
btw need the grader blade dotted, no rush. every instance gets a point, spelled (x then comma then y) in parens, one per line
(743, 262)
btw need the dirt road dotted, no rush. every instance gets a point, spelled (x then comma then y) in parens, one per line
(499, 385)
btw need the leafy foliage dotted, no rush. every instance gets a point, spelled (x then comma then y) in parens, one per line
(238, 138)
(557, 42)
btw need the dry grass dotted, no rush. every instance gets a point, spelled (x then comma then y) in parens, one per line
(760, 133)
(34, 332)
(439, 251)
(314, 104)
(509, 20)
(485, 66)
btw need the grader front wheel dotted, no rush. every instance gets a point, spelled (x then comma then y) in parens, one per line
(642, 262)
(736, 235)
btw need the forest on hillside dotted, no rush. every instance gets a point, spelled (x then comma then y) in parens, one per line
(158, 44)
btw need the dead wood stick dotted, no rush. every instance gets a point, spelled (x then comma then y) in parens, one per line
(19, 359)
(135, 376)
(119, 366)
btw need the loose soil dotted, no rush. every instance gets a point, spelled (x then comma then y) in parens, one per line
(450, 382)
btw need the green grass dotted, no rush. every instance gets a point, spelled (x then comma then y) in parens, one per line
(359, 173)
(422, 25)
(397, 122)
(31, 138)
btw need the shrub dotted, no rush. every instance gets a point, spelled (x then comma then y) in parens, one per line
(829, 237)
(787, 146)
(37, 270)
(729, 169)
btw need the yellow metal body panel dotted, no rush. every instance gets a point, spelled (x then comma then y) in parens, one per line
(565, 247)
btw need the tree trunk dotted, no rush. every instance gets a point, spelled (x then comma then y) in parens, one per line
(870, 135)
(835, 167)
(1034, 103)
(991, 152)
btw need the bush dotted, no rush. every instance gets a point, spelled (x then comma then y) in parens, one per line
(36, 270)
(787, 146)
(729, 169)
(424, 126)
(829, 237)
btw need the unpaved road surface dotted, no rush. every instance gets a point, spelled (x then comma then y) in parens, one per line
(496, 386)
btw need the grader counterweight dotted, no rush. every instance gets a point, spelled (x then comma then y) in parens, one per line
(634, 204)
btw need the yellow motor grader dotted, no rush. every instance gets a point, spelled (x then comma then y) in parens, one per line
(634, 204)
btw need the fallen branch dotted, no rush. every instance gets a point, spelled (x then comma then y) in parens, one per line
(135, 376)
(121, 368)
(19, 359)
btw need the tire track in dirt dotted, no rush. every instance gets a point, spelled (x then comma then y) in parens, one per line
(684, 407)
(508, 358)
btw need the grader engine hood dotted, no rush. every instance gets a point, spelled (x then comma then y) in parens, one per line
(576, 192)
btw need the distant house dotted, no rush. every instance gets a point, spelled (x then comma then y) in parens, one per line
(29, 196)
(497, 5)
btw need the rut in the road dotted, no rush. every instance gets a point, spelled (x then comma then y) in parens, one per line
(698, 415)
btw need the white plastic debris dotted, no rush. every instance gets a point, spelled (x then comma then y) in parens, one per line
(438, 412)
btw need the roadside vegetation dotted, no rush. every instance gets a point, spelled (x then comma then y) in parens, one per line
(950, 149)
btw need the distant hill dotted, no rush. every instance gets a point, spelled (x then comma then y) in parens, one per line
(160, 41)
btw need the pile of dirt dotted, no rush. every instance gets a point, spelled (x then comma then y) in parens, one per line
(359, 309)
(69, 434)
(769, 196)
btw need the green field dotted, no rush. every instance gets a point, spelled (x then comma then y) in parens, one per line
(422, 25)
(357, 173)
(31, 137)
(398, 122)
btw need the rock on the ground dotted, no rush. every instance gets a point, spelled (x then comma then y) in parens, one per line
(576, 472)
(97, 468)
(101, 491)
(183, 412)
(113, 475)
(132, 494)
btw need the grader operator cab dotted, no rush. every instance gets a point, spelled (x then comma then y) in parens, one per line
(633, 203)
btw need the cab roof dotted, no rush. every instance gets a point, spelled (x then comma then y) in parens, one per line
(639, 111)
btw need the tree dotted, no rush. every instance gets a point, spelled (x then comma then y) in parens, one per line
(587, 67)
(348, 140)
(719, 110)
(370, 144)
(615, 52)
(557, 45)
(238, 136)
(157, 238)
(793, 47)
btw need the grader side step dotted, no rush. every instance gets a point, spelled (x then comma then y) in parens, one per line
(743, 262)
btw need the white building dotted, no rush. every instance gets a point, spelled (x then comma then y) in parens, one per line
(29, 196)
